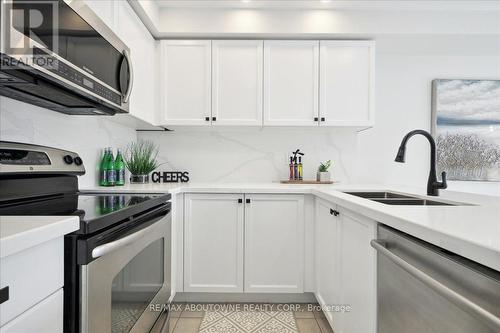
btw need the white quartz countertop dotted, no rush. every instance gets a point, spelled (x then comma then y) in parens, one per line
(18, 233)
(472, 230)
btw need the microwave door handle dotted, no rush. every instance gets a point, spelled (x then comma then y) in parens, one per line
(104, 249)
(126, 54)
(465, 304)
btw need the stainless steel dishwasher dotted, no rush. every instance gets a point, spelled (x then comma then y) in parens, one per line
(422, 288)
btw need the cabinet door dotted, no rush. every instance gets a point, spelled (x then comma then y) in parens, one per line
(237, 82)
(357, 273)
(346, 82)
(327, 259)
(143, 99)
(291, 83)
(213, 243)
(274, 243)
(185, 82)
(46, 316)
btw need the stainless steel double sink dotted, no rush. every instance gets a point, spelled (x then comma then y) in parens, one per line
(392, 198)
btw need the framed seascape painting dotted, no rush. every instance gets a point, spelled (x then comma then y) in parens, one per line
(466, 125)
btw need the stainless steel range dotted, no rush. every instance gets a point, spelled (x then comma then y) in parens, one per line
(118, 263)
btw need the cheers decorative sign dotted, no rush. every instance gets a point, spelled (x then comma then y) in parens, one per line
(170, 177)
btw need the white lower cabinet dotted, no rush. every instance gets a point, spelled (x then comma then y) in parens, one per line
(46, 316)
(213, 242)
(345, 268)
(274, 243)
(326, 257)
(31, 275)
(34, 278)
(243, 243)
(357, 279)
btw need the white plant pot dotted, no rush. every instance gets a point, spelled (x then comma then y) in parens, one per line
(139, 179)
(323, 176)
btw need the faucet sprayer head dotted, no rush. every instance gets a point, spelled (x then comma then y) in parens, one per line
(400, 157)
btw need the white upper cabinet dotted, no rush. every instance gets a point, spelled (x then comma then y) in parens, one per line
(274, 243)
(185, 82)
(213, 242)
(131, 30)
(105, 9)
(237, 82)
(269, 83)
(347, 71)
(291, 83)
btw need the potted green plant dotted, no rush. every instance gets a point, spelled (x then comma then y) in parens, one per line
(323, 173)
(140, 160)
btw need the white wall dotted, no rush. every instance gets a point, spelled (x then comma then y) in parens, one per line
(86, 135)
(405, 68)
(254, 155)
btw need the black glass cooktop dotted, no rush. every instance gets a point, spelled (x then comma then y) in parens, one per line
(93, 209)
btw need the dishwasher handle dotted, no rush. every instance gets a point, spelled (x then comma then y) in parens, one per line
(465, 304)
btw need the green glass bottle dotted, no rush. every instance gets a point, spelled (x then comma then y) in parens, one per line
(119, 168)
(110, 168)
(103, 175)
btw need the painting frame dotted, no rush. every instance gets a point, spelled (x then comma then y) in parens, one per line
(469, 127)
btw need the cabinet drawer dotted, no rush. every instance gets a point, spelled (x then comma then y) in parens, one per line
(31, 275)
(46, 316)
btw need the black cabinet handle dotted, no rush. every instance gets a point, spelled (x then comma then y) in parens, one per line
(334, 212)
(315, 118)
(240, 200)
(247, 200)
(207, 118)
(4, 294)
(214, 118)
(322, 118)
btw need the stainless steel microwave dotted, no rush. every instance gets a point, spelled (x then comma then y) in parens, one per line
(60, 55)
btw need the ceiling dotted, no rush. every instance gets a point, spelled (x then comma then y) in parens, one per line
(337, 4)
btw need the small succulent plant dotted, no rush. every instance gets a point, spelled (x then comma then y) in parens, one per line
(323, 167)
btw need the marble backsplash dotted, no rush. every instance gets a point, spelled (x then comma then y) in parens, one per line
(219, 154)
(86, 135)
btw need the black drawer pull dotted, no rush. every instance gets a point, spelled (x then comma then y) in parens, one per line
(4, 294)
(322, 118)
(247, 200)
(214, 118)
(315, 118)
(207, 118)
(240, 200)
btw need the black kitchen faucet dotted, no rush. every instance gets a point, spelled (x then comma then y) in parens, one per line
(433, 185)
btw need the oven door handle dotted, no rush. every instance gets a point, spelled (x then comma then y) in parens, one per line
(465, 304)
(115, 245)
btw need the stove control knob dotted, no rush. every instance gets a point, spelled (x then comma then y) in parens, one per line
(68, 159)
(78, 160)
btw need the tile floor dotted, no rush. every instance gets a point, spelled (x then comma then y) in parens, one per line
(188, 319)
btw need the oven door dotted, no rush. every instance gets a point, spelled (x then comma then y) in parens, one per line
(121, 289)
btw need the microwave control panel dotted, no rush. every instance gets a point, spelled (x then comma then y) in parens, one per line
(69, 73)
